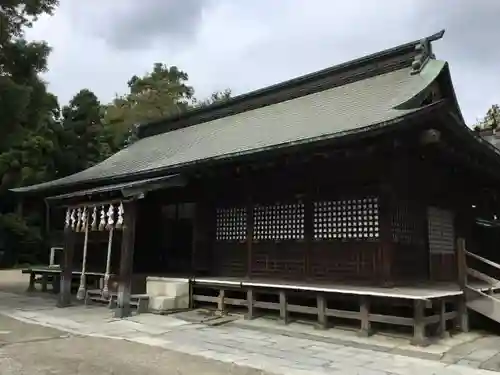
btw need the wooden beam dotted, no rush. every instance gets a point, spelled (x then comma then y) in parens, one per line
(64, 299)
(126, 259)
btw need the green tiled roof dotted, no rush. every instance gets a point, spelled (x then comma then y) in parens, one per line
(353, 107)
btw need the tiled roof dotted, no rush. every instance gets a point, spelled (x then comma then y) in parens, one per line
(341, 110)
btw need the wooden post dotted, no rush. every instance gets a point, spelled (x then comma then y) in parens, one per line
(283, 308)
(127, 259)
(419, 337)
(221, 306)
(322, 318)
(364, 314)
(250, 301)
(308, 231)
(67, 268)
(461, 263)
(31, 286)
(56, 283)
(250, 229)
(442, 320)
(105, 288)
(45, 282)
(385, 232)
(462, 313)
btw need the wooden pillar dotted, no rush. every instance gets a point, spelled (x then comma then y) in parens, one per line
(385, 257)
(321, 305)
(283, 308)
(250, 305)
(126, 260)
(462, 313)
(419, 336)
(221, 304)
(31, 286)
(249, 203)
(308, 231)
(67, 268)
(442, 333)
(250, 229)
(461, 263)
(364, 315)
(45, 282)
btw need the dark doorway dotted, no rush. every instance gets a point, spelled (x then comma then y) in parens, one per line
(177, 237)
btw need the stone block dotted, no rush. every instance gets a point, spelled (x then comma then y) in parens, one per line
(164, 304)
(158, 286)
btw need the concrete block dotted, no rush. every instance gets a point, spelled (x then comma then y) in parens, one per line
(165, 304)
(157, 287)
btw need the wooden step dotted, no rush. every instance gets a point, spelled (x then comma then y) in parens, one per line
(139, 301)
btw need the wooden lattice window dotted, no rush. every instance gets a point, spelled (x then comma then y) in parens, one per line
(354, 219)
(279, 222)
(403, 224)
(231, 224)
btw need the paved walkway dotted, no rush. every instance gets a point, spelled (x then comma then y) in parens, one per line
(27, 349)
(233, 343)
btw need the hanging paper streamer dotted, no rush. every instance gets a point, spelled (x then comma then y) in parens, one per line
(119, 221)
(67, 221)
(73, 219)
(83, 224)
(102, 222)
(78, 219)
(93, 225)
(111, 214)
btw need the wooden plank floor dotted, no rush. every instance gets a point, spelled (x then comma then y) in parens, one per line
(416, 292)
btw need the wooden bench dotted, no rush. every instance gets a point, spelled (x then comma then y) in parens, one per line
(45, 276)
(139, 301)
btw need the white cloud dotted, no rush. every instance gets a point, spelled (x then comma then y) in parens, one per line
(247, 45)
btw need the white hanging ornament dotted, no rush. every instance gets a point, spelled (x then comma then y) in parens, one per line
(67, 220)
(83, 223)
(93, 225)
(102, 222)
(119, 221)
(78, 219)
(111, 214)
(73, 219)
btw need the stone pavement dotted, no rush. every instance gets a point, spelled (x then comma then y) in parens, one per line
(251, 346)
(27, 349)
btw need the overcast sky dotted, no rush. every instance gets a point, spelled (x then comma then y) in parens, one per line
(245, 45)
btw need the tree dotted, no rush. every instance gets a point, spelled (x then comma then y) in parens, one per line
(216, 97)
(162, 93)
(82, 137)
(28, 119)
(491, 120)
(15, 15)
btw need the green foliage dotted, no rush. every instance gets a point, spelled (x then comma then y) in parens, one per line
(82, 139)
(15, 15)
(40, 141)
(159, 94)
(491, 120)
(216, 97)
